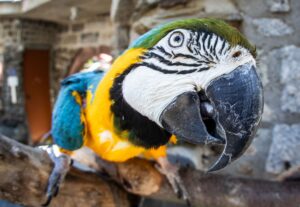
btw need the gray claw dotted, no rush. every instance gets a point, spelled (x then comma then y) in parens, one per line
(181, 191)
(62, 164)
(171, 172)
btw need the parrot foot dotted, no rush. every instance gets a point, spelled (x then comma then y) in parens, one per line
(171, 171)
(62, 163)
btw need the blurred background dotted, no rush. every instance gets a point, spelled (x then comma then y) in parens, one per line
(44, 41)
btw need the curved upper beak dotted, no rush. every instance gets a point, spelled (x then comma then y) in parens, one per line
(237, 105)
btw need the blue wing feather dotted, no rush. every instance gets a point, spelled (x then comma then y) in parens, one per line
(67, 127)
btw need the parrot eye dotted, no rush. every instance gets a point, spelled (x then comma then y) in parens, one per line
(176, 39)
(236, 54)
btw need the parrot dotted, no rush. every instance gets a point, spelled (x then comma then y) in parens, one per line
(191, 80)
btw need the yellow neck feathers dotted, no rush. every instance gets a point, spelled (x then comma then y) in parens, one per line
(101, 103)
(101, 136)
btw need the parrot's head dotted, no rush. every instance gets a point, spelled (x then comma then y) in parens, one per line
(195, 79)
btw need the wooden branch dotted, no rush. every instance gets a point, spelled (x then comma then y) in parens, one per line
(226, 191)
(24, 172)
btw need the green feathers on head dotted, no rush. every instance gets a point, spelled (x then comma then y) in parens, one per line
(219, 27)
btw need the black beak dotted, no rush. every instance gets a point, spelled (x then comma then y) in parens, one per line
(237, 104)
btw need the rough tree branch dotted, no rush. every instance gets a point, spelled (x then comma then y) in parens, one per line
(24, 172)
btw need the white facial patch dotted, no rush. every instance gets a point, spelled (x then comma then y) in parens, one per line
(149, 92)
(182, 61)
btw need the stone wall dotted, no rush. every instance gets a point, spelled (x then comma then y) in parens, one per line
(13, 116)
(25, 32)
(92, 33)
(64, 41)
(17, 35)
(10, 32)
(71, 38)
(274, 26)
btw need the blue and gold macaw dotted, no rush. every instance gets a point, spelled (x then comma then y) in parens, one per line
(191, 80)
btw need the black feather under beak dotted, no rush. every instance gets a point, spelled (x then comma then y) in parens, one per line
(236, 99)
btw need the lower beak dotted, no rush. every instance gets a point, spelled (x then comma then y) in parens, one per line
(237, 104)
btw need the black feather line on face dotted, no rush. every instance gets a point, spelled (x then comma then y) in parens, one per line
(168, 62)
(142, 131)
